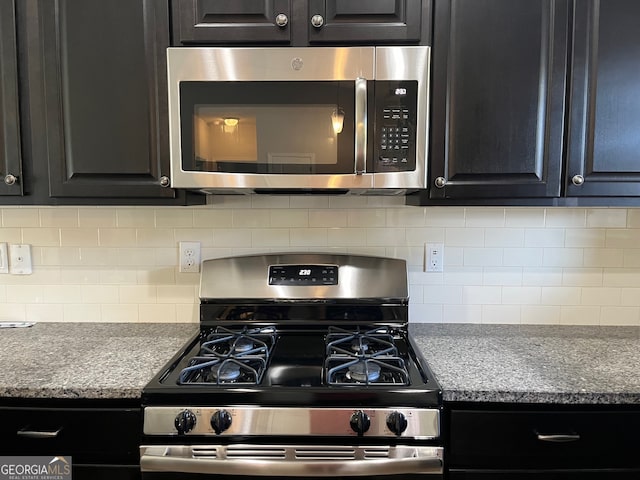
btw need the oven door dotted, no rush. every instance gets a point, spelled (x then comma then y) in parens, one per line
(270, 118)
(287, 462)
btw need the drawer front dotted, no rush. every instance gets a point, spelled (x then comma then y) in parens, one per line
(534, 439)
(89, 435)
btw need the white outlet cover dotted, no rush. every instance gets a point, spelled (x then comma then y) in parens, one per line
(189, 257)
(4, 260)
(20, 260)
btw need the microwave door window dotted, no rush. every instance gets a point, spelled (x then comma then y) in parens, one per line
(290, 128)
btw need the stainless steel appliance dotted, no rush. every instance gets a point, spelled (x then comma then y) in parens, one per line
(348, 119)
(303, 367)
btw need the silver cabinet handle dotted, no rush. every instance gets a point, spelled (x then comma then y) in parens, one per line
(361, 126)
(165, 181)
(282, 20)
(558, 438)
(577, 180)
(440, 182)
(10, 179)
(38, 433)
(317, 21)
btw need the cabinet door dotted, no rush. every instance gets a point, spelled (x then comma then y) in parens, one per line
(604, 128)
(373, 21)
(498, 98)
(97, 94)
(10, 153)
(237, 22)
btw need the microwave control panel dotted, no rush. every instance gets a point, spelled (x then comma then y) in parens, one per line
(396, 118)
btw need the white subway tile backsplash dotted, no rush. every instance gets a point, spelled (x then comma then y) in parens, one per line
(59, 217)
(484, 217)
(616, 315)
(506, 265)
(525, 217)
(607, 217)
(501, 314)
(579, 315)
(20, 217)
(464, 237)
(540, 314)
(566, 217)
(91, 217)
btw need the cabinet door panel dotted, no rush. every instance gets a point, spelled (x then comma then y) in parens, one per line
(511, 440)
(10, 152)
(604, 132)
(224, 22)
(89, 435)
(373, 21)
(499, 88)
(100, 82)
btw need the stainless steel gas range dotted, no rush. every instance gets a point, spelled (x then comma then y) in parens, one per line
(303, 367)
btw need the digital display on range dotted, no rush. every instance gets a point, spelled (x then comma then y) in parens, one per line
(303, 275)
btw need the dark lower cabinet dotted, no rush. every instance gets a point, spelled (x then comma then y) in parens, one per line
(101, 437)
(95, 100)
(603, 157)
(10, 151)
(543, 443)
(499, 78)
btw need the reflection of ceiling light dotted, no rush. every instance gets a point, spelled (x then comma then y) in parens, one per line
(337, 120)
(231, 122)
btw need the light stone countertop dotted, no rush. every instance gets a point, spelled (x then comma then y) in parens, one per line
(86, 360)
(496, 363)
(533, 364)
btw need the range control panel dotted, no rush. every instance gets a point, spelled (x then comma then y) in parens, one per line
(396, 117)
(303, 275)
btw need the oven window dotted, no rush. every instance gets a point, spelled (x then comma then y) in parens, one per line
(268, 127)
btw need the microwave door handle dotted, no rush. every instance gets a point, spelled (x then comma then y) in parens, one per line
(360, 166)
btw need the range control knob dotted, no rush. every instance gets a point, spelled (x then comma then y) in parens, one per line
(360, 422)
(220, 421)
(185, 421)
(397, 422)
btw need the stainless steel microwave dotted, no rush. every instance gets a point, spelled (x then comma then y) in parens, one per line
(335, 120)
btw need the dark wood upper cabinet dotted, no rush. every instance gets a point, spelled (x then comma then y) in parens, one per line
(10, 152)
(299, 22)
(373, 21)
(499, 83)
(603, 156)
(97, 96)
(225, 22)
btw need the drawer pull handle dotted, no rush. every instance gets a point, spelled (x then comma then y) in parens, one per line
(559, 438)
(39, 433)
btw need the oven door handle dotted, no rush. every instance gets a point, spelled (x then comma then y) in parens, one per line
(428, 460)
(360, 166)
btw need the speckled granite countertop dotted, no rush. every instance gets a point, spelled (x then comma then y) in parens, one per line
(493, 363)
(85, 360)
(533, 364)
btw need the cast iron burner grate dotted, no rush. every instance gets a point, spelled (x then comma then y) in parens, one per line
(363, 357)
(228, 356)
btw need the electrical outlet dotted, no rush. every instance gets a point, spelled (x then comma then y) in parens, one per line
(20, 260)
(434, 257)
(4, 261)
(189, 257)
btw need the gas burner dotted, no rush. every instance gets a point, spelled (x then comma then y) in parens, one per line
(380, 371)
(362, 372)
(218, 371)
(228, 356)
(224, 342)
(360, 343)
